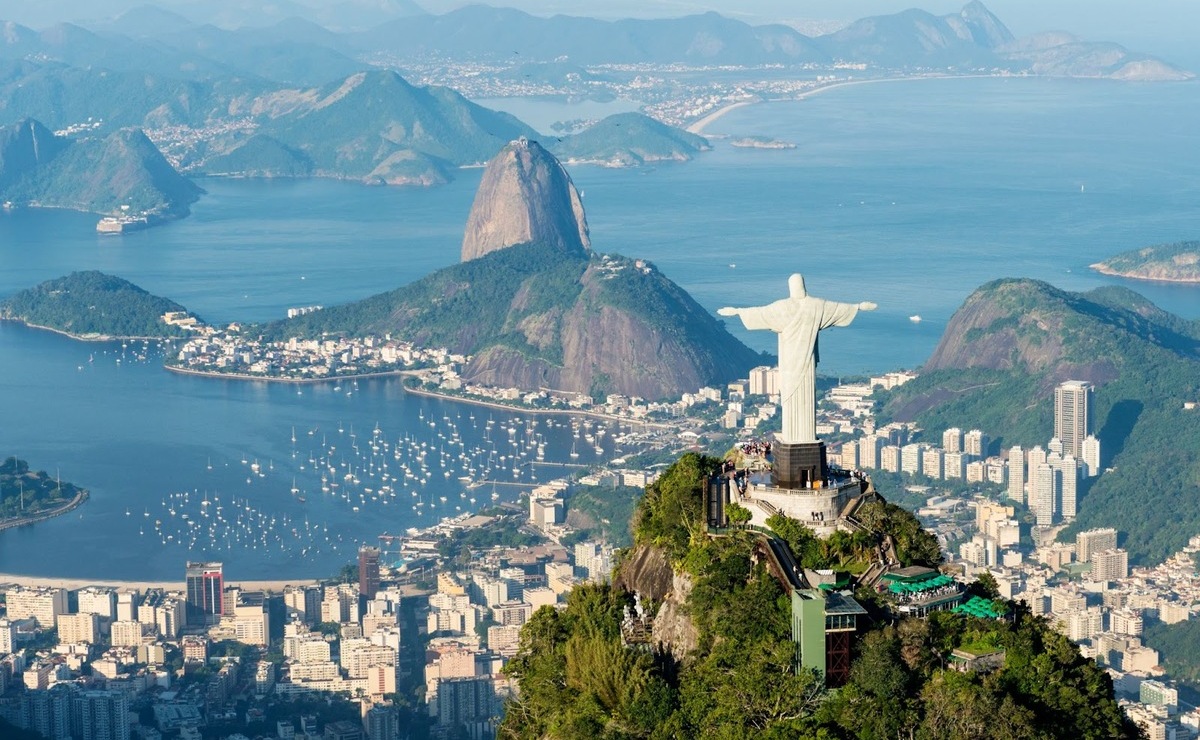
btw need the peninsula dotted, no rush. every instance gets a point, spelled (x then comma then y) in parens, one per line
(94, 306)
(27, 497)
(1177, 262)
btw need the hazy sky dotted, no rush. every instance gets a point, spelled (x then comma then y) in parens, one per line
(1164, 27)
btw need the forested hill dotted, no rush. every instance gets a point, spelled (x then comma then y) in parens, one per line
(92, 303)
(122, 173)
(24, 492)
(533, 316)
(628, 139)
(724, 667)
(1012, 341)
(1178, 262)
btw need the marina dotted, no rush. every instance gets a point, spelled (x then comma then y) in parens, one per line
(276, 484)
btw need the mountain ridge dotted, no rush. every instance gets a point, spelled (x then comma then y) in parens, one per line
(1013, 340)
(119, 174)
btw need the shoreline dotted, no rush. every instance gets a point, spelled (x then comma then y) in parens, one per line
(86, 337)
(530, 409)
(71, 584)
(699, 126)
(32, 519)
(1105, 270)
(279, 379)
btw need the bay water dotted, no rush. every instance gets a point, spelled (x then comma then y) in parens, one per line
(908, 194)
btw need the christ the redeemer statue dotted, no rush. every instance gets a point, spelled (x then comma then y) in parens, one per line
(797, 320)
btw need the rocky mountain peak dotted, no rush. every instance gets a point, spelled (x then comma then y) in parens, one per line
(525, 196)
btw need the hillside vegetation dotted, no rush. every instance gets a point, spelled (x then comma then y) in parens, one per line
(24, 492)
(120, 173)
(1013, 341)
(629, 139)
(735, 677)
(92, 303)
(1178, 262)
(533, 317)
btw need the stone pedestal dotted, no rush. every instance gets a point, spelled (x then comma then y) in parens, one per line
(798, 465)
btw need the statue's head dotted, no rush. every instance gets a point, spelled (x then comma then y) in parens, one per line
(796, 286)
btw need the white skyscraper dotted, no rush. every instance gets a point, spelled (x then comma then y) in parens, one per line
(1091, 456)
(1073, 415)
(1069, 481)
(975, 444)
(1035, 457)
(1016, 474)
(1043, 493)
(910, 458)
(952, 440)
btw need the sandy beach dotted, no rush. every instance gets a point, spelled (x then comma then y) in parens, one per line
(699, 126)
(72, 584)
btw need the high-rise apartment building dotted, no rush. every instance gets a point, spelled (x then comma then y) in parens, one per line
(303, 603)
(100, 601)
(368, 571)
(952, 440)
(1093, 541)
(954, 465)
(1033, 458)
(1016, 473)
(910, 458)
(869, 447)
(101, 715)
(41, 603)
(78, 628)
(931, 462)
(205, 592)
(1091, 456)
(1073, 415)
(975, 444)
(1043, 492)
(1068, 471)
(764, 381)
(1110, 565)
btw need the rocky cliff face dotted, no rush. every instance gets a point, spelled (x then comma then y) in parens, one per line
(525, 197)
(646, 572)
(629, 330)
(24, 147)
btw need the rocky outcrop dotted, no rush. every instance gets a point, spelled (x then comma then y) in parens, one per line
(674, 631)
(647, 572)
(525, 196)
(629, 331)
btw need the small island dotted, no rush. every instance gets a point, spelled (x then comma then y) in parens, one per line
(98, 307)
(1178, 262)
(628, 140)
(27, 497)
(761, 142)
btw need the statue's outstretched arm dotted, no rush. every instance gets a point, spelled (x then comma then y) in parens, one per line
(727, 311)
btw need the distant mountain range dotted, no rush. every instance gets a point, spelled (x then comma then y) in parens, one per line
(121, 173)
(372, 126)
(1013, 341)
(296, 99)
(293, 44)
